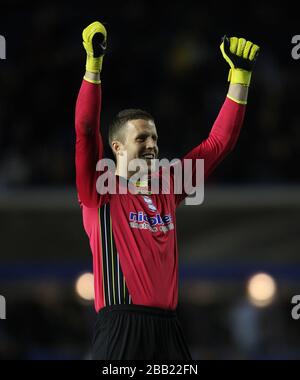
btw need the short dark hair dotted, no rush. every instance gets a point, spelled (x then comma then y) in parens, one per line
(118, 123)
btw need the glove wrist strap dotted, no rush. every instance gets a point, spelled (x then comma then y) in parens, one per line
(239, 76)
(94, 65)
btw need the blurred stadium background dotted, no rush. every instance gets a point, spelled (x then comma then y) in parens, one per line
(163, 57)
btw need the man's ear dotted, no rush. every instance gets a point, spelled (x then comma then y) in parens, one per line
(116, 147)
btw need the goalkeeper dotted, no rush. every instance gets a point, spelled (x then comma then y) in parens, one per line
(133, 236)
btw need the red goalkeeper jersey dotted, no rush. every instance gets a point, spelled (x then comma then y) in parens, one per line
(133, 236)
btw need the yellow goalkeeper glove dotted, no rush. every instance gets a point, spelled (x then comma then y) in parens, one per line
(94, 41)
(241, 56)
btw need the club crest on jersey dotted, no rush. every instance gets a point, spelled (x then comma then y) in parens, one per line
(149, 203)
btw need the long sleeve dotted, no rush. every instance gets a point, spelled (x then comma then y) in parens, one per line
(89, 145)
(221, 140)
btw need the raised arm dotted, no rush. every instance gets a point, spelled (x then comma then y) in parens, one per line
(89, 146)
(240, 55)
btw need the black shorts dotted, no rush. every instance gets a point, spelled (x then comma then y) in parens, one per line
(133, 332)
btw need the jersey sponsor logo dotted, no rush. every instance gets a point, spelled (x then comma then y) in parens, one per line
(152, 223)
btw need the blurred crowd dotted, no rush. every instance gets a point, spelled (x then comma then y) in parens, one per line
(47, 321)
(163, 57)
